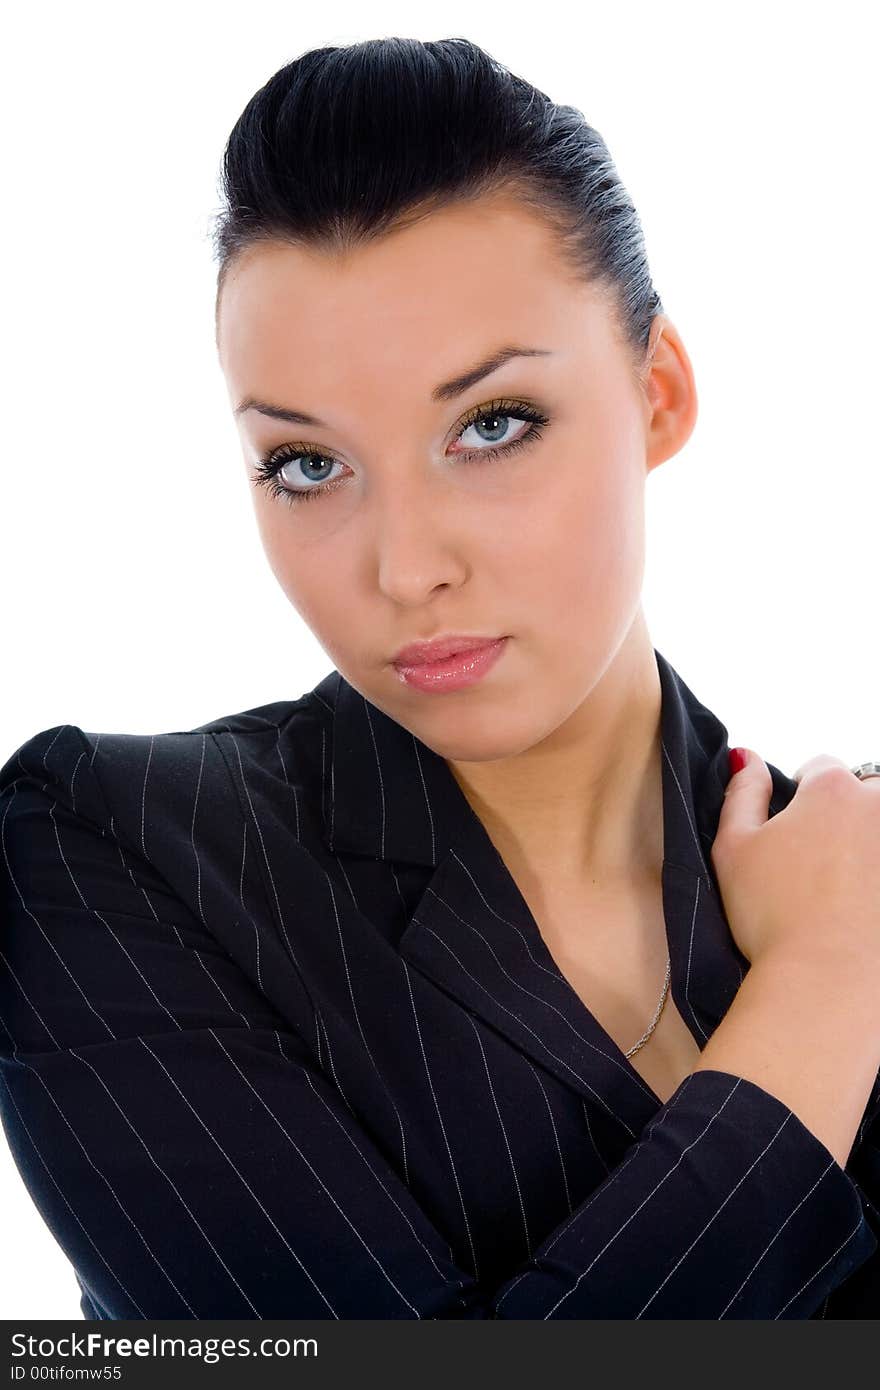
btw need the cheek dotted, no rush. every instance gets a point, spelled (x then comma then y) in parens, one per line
(583, 537)
(312, 576)
(277, 542)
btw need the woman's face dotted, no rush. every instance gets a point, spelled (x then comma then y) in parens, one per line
(401, 518)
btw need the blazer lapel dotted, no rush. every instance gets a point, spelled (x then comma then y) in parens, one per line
(472, 933)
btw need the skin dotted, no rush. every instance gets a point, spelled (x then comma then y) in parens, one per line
(557, 748)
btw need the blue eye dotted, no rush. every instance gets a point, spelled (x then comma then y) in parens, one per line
(270, 466)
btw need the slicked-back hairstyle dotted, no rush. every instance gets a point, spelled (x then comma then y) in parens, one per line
(346, 143)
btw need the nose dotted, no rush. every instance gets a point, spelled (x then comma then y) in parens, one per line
(417, 547)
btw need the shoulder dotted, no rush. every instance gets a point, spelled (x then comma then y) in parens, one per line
(104, 775)
(177, 823)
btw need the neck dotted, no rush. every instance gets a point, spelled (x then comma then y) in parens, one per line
(584, 807)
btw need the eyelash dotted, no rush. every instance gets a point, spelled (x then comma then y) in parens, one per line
(271, 464)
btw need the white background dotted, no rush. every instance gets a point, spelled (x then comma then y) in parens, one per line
(136, 596)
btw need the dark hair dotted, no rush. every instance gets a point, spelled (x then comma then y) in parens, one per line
(344, 144)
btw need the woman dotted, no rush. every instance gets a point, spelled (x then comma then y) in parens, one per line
(414, 996)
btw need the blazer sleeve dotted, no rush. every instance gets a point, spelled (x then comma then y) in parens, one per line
(860, 1297)
(193, 1161)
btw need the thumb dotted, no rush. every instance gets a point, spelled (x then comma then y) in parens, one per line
(747, 796)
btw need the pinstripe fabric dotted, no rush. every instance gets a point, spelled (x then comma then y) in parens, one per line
(281, 1038)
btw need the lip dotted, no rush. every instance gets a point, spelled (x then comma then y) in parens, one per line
(439, 648)
(462, 668)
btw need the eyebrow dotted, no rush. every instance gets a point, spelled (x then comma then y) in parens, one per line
(446, 391)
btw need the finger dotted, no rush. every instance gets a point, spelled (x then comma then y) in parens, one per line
(817, 764)
(746, 798)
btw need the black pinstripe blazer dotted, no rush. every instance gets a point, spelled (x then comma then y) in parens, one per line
(281, 1039)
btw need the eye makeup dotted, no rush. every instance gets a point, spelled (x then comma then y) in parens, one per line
(269, 466)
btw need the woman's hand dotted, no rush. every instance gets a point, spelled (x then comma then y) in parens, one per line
(807, 880)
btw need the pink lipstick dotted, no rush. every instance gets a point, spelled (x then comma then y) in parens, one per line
(456, 664)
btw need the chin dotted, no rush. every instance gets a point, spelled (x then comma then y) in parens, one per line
(484, 735)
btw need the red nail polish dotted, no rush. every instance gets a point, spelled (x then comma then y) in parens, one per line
(737, 757)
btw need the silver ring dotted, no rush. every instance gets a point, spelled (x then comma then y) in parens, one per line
(865, 770)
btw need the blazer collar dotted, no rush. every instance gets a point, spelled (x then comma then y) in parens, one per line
(472, 933)
(392, 797)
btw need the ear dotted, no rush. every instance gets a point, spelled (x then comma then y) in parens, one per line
(670, 392)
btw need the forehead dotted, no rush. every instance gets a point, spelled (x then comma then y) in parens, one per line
(463, 277)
